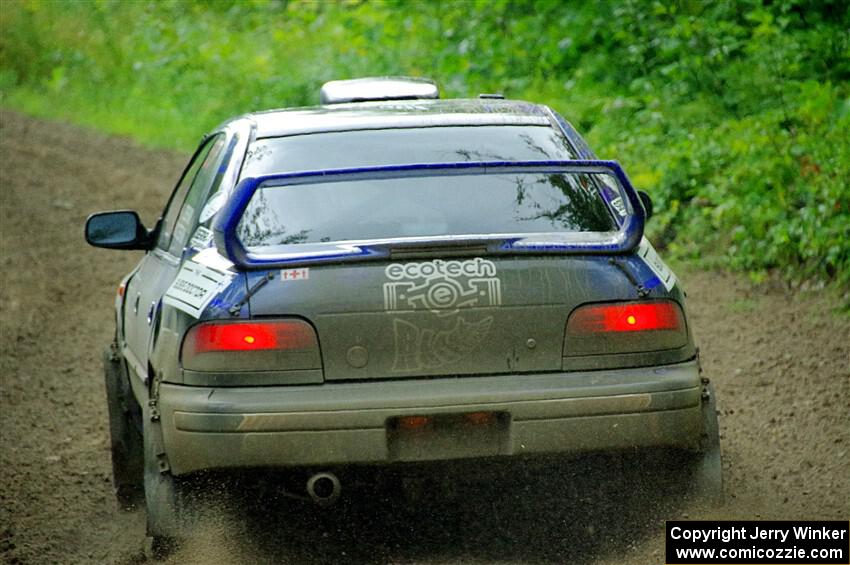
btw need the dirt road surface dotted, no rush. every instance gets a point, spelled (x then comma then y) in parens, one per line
(780, 361)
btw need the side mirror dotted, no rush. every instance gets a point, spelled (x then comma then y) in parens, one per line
(647, 203)
(117, 230)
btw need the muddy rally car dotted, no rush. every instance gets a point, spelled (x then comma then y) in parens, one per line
(389, 280)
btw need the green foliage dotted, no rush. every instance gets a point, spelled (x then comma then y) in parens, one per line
(735, 116)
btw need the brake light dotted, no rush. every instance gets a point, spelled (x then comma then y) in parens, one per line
(625, 327)
(629, 317)
(257, 346)
(252, 336)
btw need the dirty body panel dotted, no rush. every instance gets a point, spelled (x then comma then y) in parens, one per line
(344, 423)
(414, 319)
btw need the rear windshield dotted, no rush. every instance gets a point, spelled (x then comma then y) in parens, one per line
(369, 148)
(424, 206)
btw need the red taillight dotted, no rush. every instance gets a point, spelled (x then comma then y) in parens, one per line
(251, 336)
(625, 327)
(279, 345)
(631, 317)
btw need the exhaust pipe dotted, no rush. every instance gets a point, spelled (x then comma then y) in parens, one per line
(324, 488)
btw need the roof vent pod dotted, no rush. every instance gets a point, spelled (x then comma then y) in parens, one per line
(378, 88)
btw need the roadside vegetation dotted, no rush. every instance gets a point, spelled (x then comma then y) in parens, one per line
(735, 116)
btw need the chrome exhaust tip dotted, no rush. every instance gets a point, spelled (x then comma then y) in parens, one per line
(324, 488)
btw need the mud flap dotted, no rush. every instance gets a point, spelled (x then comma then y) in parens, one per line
(706, 468)
(125, 441)
(168, 515)
(175, 505)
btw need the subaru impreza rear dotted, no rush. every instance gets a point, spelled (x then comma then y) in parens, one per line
(443, 311)
(410, 281)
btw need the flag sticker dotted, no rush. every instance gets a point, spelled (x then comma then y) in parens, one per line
(288, 275)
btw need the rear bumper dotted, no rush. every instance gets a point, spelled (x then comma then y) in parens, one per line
(345, 423)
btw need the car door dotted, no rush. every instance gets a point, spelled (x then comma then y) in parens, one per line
(159, 267)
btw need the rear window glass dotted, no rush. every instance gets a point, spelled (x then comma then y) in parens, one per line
(368, 148)
(423, 206)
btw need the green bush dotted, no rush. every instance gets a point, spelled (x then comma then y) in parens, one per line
(735, 116)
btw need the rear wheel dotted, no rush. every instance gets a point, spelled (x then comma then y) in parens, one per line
(125, 440)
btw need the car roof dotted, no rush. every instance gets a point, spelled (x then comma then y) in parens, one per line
(399, 114)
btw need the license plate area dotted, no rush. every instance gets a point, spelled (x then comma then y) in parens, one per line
(431, 437)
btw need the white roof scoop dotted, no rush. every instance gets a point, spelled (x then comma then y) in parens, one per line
(378, 88)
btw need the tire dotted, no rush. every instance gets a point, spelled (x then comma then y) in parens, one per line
(706, 475)
(125, 440)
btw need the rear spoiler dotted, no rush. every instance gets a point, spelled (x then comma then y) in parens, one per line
(625, 240)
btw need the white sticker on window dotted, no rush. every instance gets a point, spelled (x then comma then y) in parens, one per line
(201, 238)
(214, 204)
(194, 288)
(646, 252)
(618, 205)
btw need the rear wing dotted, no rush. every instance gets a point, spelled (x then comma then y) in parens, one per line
(622, 199)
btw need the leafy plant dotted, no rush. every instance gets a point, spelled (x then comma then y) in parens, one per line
(735, 116)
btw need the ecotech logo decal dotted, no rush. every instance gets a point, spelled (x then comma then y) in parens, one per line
(444, 289)
(442, 286)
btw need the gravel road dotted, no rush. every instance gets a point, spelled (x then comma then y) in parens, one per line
(780, 361)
